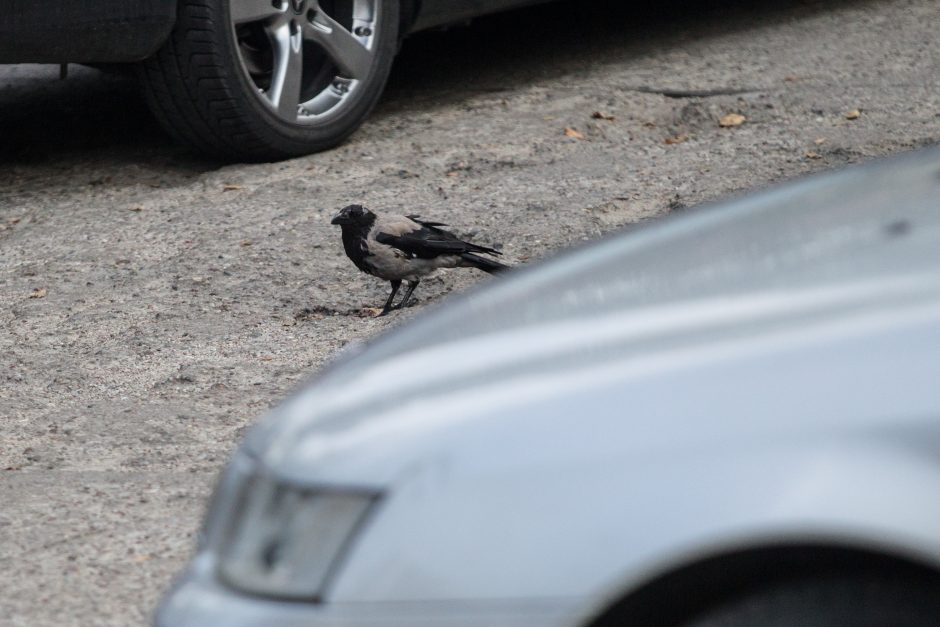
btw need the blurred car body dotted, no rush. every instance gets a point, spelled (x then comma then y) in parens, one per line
(653, 428)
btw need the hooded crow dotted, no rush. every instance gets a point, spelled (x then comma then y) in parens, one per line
(405, 248)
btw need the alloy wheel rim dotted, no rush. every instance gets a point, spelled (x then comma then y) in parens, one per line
(305, 58)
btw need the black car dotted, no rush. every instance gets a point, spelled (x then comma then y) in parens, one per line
(244, 79)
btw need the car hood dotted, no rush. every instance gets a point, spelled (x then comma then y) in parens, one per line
(771, 316)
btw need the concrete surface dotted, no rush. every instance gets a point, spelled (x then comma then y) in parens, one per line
(153, 304)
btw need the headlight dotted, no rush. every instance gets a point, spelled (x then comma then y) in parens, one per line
(284, 539)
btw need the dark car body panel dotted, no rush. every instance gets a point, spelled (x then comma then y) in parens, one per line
(119, 31)
(441, 12)
(83, 31)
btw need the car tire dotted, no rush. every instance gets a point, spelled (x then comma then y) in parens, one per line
(859, 600)
(264, 80)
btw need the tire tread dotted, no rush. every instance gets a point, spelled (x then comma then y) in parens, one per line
(191, 87)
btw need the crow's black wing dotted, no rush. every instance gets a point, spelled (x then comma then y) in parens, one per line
(424, 239)
(425, 243)
(432, 225)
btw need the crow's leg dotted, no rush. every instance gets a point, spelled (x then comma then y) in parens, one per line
(411, 288)
(388, 304)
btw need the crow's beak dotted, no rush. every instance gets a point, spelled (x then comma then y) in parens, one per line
(341, 218)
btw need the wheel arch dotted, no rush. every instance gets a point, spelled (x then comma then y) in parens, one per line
(681, 592)
(409, 10)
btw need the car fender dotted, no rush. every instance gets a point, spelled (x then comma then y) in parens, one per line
(560, 541)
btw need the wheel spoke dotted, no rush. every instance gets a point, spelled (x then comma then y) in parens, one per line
(271, 36)
(288, 72)
(243, 11)
(349, 54)
(329, 97)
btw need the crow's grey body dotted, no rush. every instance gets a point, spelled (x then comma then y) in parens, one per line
(391, 263)
(404, 248)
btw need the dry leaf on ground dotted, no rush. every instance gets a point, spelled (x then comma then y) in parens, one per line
(813, 155)
(39, 292)
(570, 132)
(678, 139)
(853, 114)
(231, 188)
(600, 115)
(731, 119)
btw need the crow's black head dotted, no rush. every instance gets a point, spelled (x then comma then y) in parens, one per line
(354, 215)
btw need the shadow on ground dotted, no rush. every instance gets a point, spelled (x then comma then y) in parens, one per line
(508, 50)
(101, 119)
(91, 115)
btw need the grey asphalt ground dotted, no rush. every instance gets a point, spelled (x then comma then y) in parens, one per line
(154, 304)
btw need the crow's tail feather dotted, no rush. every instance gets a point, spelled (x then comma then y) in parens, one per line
(482, 263)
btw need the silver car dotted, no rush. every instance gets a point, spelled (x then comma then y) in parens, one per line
(728, 417)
